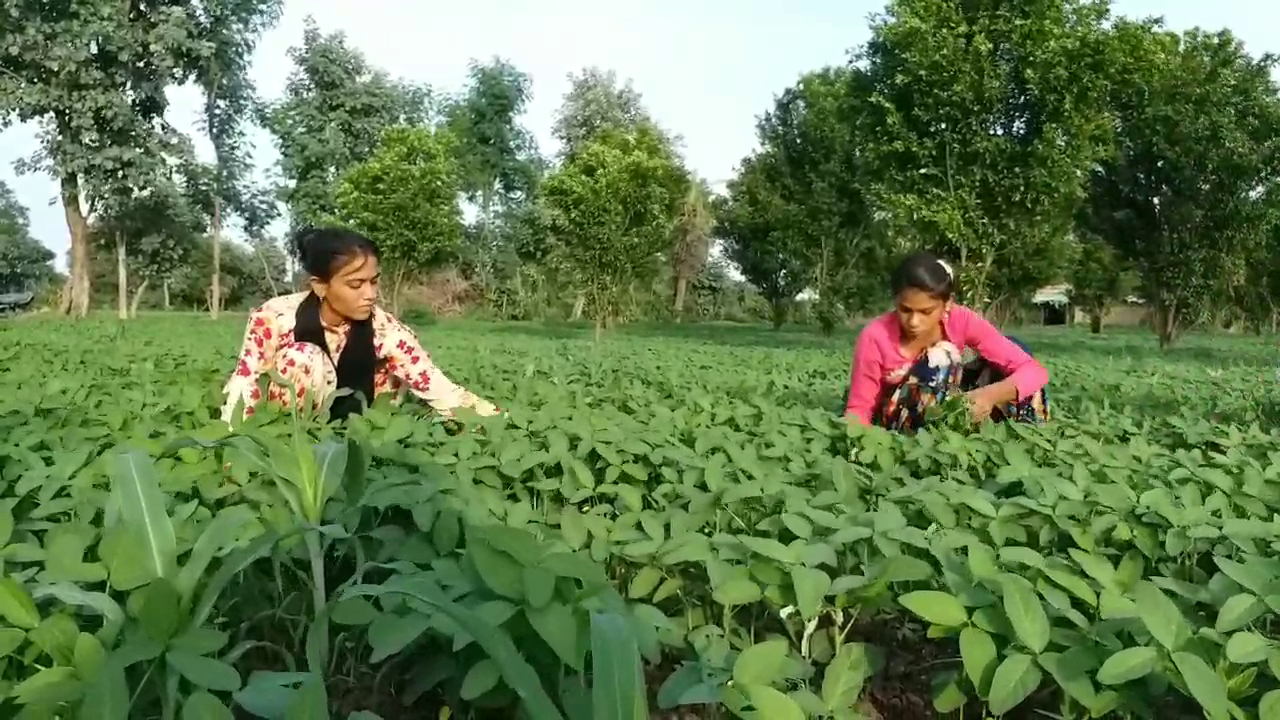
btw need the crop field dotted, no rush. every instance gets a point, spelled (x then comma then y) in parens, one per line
(671, 523)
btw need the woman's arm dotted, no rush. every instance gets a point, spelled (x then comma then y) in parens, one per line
(261, 338)
(864, 378)
(409, 362)
(1024, 375)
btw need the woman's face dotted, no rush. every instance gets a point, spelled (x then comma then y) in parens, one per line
(353, 289)
(919, 313)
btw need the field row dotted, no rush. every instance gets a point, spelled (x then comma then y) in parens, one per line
(662, 524)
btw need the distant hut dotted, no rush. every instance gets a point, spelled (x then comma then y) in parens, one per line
(1054, 304)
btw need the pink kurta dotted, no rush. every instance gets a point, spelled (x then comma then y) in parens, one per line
(878, 359)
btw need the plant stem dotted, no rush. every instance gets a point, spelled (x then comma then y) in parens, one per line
(319, 598)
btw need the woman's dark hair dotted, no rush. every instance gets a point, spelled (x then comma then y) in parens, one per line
(925, 272)
(322, 252)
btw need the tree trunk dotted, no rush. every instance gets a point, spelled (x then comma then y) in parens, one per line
(137, 297)
(1095, 322)
(164, 288)
(779, 313)
(266, 270)
(122, 277)
(1166, 319)
(215, 284)
(682, 287)
(578, 306)
(75, 294)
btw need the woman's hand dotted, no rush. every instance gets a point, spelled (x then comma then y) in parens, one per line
(981, 402)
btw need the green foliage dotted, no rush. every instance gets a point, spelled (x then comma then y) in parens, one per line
(985, 120)
(1098, 279)
(753, 220)
(612, 205)
(25, 264)
(638, 502)
(333, 114)
(1188, 239)
(405, 196)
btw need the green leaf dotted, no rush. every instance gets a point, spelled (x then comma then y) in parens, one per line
(142, 506)
(1128, 664)
(205, 672)
(158, 609)
(539, 586)
(47, 687)
(480, 679)
(844, 677)
(617, 677)
(499, 570)
(772, 704)
(762, 663)
(558, 627)
(107, 696)
(200, 705)
(737, 591)
(16, 605)
(1269, 706)
(1025, 612)
(1205, 685)
(1247, 648)
(644, 583)
(1014, 681)
(811, 586)
(978, 653)
(517, 672)
(1238, 611)
(1161, 616)
(935, 607)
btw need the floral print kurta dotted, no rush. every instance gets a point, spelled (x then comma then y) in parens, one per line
(312, 376)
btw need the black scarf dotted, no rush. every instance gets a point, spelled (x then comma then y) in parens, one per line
(358, 361)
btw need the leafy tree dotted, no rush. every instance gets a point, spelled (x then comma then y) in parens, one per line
(985, 118)
(812, 133)
(1098, 280)
(25, 264)
(691, 238)
(405, 197)
(334, 112)
(93, 77)
(230, 29)
(753, 222)
(598, 103)
(1181, 197)
(152, 233)
(496, 156)
(611, 204)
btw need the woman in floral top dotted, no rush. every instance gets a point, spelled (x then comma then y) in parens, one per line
(334, 336)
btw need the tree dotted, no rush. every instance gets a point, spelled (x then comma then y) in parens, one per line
(597, 103)
(812, 134)
(691, 238)
(1098, 280)
(496, 156)
(612, 203)
(334, 112)
(985, 119)
(25, 264)
(93, 78)
(230, 29)
(405, 198)
(753, 222)
(1183, 195)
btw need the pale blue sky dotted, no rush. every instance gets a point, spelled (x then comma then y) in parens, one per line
(706, 68)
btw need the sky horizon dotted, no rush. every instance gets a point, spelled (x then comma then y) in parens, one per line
(705, 70)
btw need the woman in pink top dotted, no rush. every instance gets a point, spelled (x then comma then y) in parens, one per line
(911, 358)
